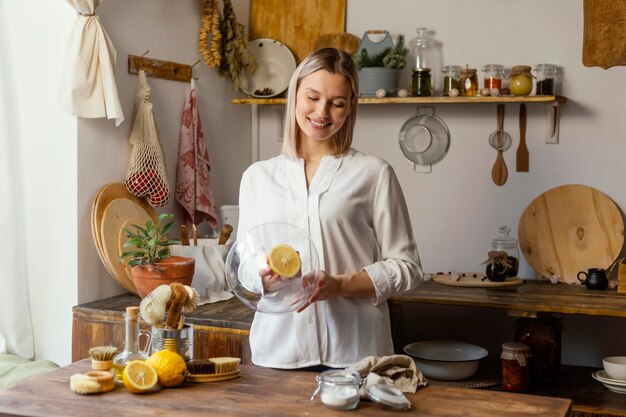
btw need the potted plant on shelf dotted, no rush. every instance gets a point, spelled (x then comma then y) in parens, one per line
(151, 263)
(380, 63)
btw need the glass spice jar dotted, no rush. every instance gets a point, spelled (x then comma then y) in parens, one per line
(339, 389)
(507, 244)
(515, 367)
(493, 76)
(421, 85)
(546, 75)
(468, 82)
(451, 75)
(521, 80)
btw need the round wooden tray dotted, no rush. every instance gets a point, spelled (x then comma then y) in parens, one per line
(474, 279)
(569, 229)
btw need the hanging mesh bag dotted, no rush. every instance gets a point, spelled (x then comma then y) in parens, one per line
(147, 173)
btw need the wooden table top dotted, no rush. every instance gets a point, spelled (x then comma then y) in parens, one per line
(257, 392)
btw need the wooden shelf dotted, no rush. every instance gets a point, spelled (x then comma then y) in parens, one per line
(423, 100)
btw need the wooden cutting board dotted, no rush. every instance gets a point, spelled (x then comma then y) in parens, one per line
(604, 37)
(296, 23)
(569, 229)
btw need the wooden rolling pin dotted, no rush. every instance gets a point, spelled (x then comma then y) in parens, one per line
(225, 234)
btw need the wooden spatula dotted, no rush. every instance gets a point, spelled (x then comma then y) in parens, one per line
(521, 161)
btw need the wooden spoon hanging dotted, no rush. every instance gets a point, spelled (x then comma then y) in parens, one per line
(521, 161)
(499, 172)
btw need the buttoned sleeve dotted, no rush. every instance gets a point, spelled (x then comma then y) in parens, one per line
(400, 268)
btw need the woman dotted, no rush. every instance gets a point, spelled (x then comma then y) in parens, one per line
(353, 208)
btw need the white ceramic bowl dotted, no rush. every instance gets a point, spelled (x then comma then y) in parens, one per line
(615, 367)
(446, 360)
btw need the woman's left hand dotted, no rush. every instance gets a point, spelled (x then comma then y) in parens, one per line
(326, 287)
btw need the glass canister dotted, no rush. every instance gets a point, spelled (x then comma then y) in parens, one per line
(515, 367)
(493, 76)
(339, 389)
(451, 74)
(542, 334)
(546, 75)
(421, 85)
(425, 52)
(468, 82)
(521, 80)
(506, 243)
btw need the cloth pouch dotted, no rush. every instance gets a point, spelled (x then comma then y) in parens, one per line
(397, 370)
(209, 278)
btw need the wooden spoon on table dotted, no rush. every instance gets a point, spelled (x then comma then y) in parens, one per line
(522, 150)
(499, 172)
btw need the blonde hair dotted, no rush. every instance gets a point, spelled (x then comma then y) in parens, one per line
(334, 61)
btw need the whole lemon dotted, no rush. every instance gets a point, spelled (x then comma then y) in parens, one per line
(169, 366)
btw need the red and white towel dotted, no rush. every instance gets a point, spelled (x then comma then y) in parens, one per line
(193, 186)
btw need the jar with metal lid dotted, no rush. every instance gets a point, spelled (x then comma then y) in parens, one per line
(521, 80)
(468, 82)
(546, 75)
(339, 389)
(515, 367)
(493, 76)
(451, 75)
(421, 85)
(508, 244)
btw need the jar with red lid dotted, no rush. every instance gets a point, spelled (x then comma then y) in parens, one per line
(515, 366)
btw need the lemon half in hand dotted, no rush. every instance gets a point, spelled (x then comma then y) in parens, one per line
(284, 260)
(139, 377)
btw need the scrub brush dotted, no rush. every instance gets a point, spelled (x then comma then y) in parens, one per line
(152, 307)
(102, 357)
(95, 382)
(225, 364)
(212, 370)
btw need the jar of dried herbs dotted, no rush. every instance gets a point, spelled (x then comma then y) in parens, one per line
(421, 85)
(451, 75)
(546, 75)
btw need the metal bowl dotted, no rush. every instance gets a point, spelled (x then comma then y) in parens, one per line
(446, 360)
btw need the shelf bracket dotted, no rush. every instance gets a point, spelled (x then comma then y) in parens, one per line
(553, 111)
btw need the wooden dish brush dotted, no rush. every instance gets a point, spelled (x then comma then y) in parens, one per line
(213, 370)
(102, 357)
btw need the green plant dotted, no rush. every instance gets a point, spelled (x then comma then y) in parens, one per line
(391, 57)
(151, 242)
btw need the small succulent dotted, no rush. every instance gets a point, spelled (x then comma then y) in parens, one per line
(151, 242)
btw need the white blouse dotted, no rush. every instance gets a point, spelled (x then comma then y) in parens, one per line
(356, 215)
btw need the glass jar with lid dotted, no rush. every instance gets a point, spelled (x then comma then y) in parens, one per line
(468, 82)
(507, 244)
(521, 80)
(451, 74)
(493, 76)
(546, 75)
(425, 52)
(421, 85)
(515, 366)
(339, 389)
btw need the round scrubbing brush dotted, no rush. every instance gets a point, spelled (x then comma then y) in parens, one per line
(152, 307)
(102, 357)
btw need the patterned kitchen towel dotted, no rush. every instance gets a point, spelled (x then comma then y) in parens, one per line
(193, 186)
(398, 370)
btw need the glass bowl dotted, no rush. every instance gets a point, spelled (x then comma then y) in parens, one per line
(248, 256)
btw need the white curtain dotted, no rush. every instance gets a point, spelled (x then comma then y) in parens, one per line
(16, 330)
(88, 86)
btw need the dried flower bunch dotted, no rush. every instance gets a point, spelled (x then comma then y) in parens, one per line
(391, 57)
(237, 59)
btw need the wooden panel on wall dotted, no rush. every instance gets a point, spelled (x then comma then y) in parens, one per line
(604, 36)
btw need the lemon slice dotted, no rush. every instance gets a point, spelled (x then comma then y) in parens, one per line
(139, 377)
(284, 260)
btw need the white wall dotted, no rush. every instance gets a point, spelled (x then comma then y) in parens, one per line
(46, 137)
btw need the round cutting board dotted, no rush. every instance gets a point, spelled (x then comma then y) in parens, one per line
(569, 229)
(116, 216)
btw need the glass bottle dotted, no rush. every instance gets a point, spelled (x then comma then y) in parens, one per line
(515, 367)
(421, 86)
(424, 52)
(521, 81)
(468, 82)
(131, 351)
(493, 76)
(542, 334)
(506, 243)
(451, 75)
(546, 75)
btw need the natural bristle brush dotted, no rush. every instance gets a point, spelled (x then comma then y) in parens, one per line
(102, 357)
(213, 370)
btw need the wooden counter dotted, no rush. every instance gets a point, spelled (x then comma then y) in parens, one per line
(257, 392)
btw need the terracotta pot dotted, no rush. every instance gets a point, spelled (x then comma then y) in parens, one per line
(167, 271)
